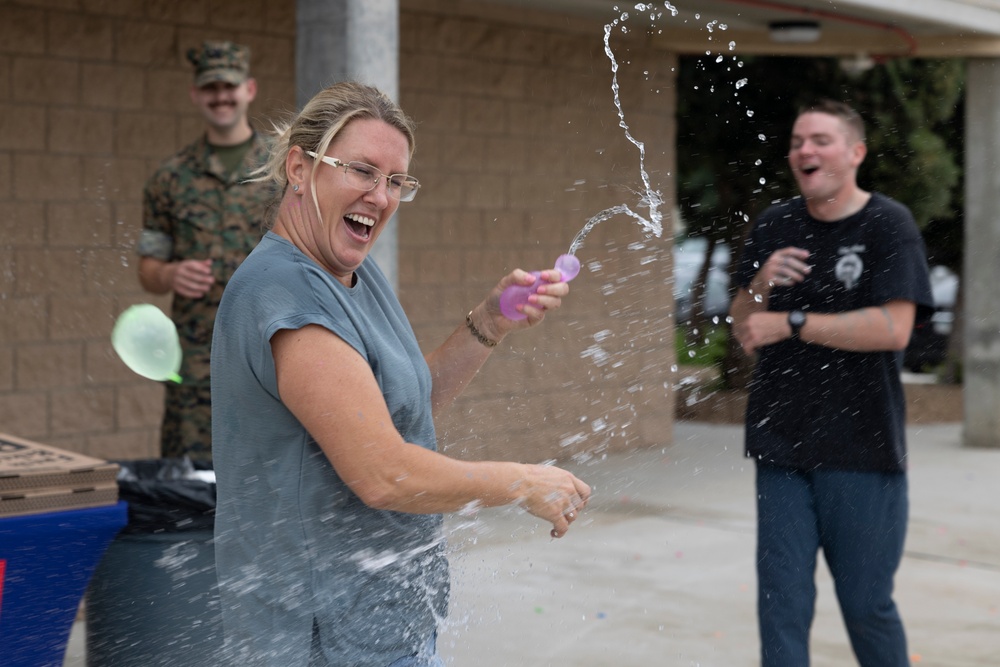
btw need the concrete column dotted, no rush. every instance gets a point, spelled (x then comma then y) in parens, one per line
(354, 40)
(981, 274)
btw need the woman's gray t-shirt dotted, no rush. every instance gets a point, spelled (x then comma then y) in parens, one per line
(308, 573)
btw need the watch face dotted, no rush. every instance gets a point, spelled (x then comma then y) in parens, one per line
(796, 318)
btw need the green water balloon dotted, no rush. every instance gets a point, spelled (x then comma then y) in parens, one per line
(146, 340)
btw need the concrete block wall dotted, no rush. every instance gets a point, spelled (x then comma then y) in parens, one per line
(93, 95)
(518, 146)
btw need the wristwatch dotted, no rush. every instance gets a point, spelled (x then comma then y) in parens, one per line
(796, 319)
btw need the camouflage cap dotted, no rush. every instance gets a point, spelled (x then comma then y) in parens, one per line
(220, 61)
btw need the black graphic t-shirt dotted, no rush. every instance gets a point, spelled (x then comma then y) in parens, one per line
(811, 405)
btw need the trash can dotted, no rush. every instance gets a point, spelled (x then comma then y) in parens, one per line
(153, 600)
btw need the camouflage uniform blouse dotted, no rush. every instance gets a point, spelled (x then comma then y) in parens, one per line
(193, 209)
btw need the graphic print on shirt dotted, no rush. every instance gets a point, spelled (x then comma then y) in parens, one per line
(850, 266)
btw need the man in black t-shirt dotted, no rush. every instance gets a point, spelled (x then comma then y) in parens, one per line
(830, 285)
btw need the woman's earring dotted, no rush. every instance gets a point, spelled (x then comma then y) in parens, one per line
(295, 188)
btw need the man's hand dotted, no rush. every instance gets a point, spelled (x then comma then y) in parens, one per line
(760, 329)
(193, 278)
(753, 325)
(785, 267)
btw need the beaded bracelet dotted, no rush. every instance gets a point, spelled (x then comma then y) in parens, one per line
(477, 333)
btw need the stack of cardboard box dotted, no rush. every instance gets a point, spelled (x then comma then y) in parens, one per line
(36, 478)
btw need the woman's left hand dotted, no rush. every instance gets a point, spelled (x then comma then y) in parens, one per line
(494, 325)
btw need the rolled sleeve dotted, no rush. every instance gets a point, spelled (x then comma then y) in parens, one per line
(155, 244)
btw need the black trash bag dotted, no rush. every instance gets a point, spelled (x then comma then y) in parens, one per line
(167, 495)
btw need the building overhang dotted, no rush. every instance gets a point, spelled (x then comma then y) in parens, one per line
(879, 28)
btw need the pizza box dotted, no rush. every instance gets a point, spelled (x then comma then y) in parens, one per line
(37, 501)
(27, 465)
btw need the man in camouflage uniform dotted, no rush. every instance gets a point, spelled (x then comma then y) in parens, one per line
(200, 221)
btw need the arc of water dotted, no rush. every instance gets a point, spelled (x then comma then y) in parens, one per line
(652, 198)
(599, 218)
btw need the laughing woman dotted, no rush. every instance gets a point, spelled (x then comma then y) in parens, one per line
(329, 543)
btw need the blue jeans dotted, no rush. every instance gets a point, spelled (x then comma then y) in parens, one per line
(859, 520)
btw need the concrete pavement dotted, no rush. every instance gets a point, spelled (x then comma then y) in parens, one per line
(660, 568)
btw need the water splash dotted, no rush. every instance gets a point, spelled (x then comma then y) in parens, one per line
(593, 222)
(370, 561)
(652, 198)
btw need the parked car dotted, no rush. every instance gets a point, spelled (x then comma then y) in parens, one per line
(689, 254)
(929, 342)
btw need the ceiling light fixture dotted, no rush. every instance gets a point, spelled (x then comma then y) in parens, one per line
(787, 8)
(794, 32)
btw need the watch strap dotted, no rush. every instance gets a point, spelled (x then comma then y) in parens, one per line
(796, 319)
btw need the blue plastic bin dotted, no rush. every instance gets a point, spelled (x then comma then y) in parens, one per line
(47, 561)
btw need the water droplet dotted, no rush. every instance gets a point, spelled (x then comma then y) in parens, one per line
(741, 83)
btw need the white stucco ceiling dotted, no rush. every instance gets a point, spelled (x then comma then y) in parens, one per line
(890, 27)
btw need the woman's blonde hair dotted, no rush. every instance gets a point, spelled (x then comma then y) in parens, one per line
(322, 118)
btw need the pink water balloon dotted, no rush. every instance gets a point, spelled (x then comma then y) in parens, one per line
(569, 267)
(515, 295)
